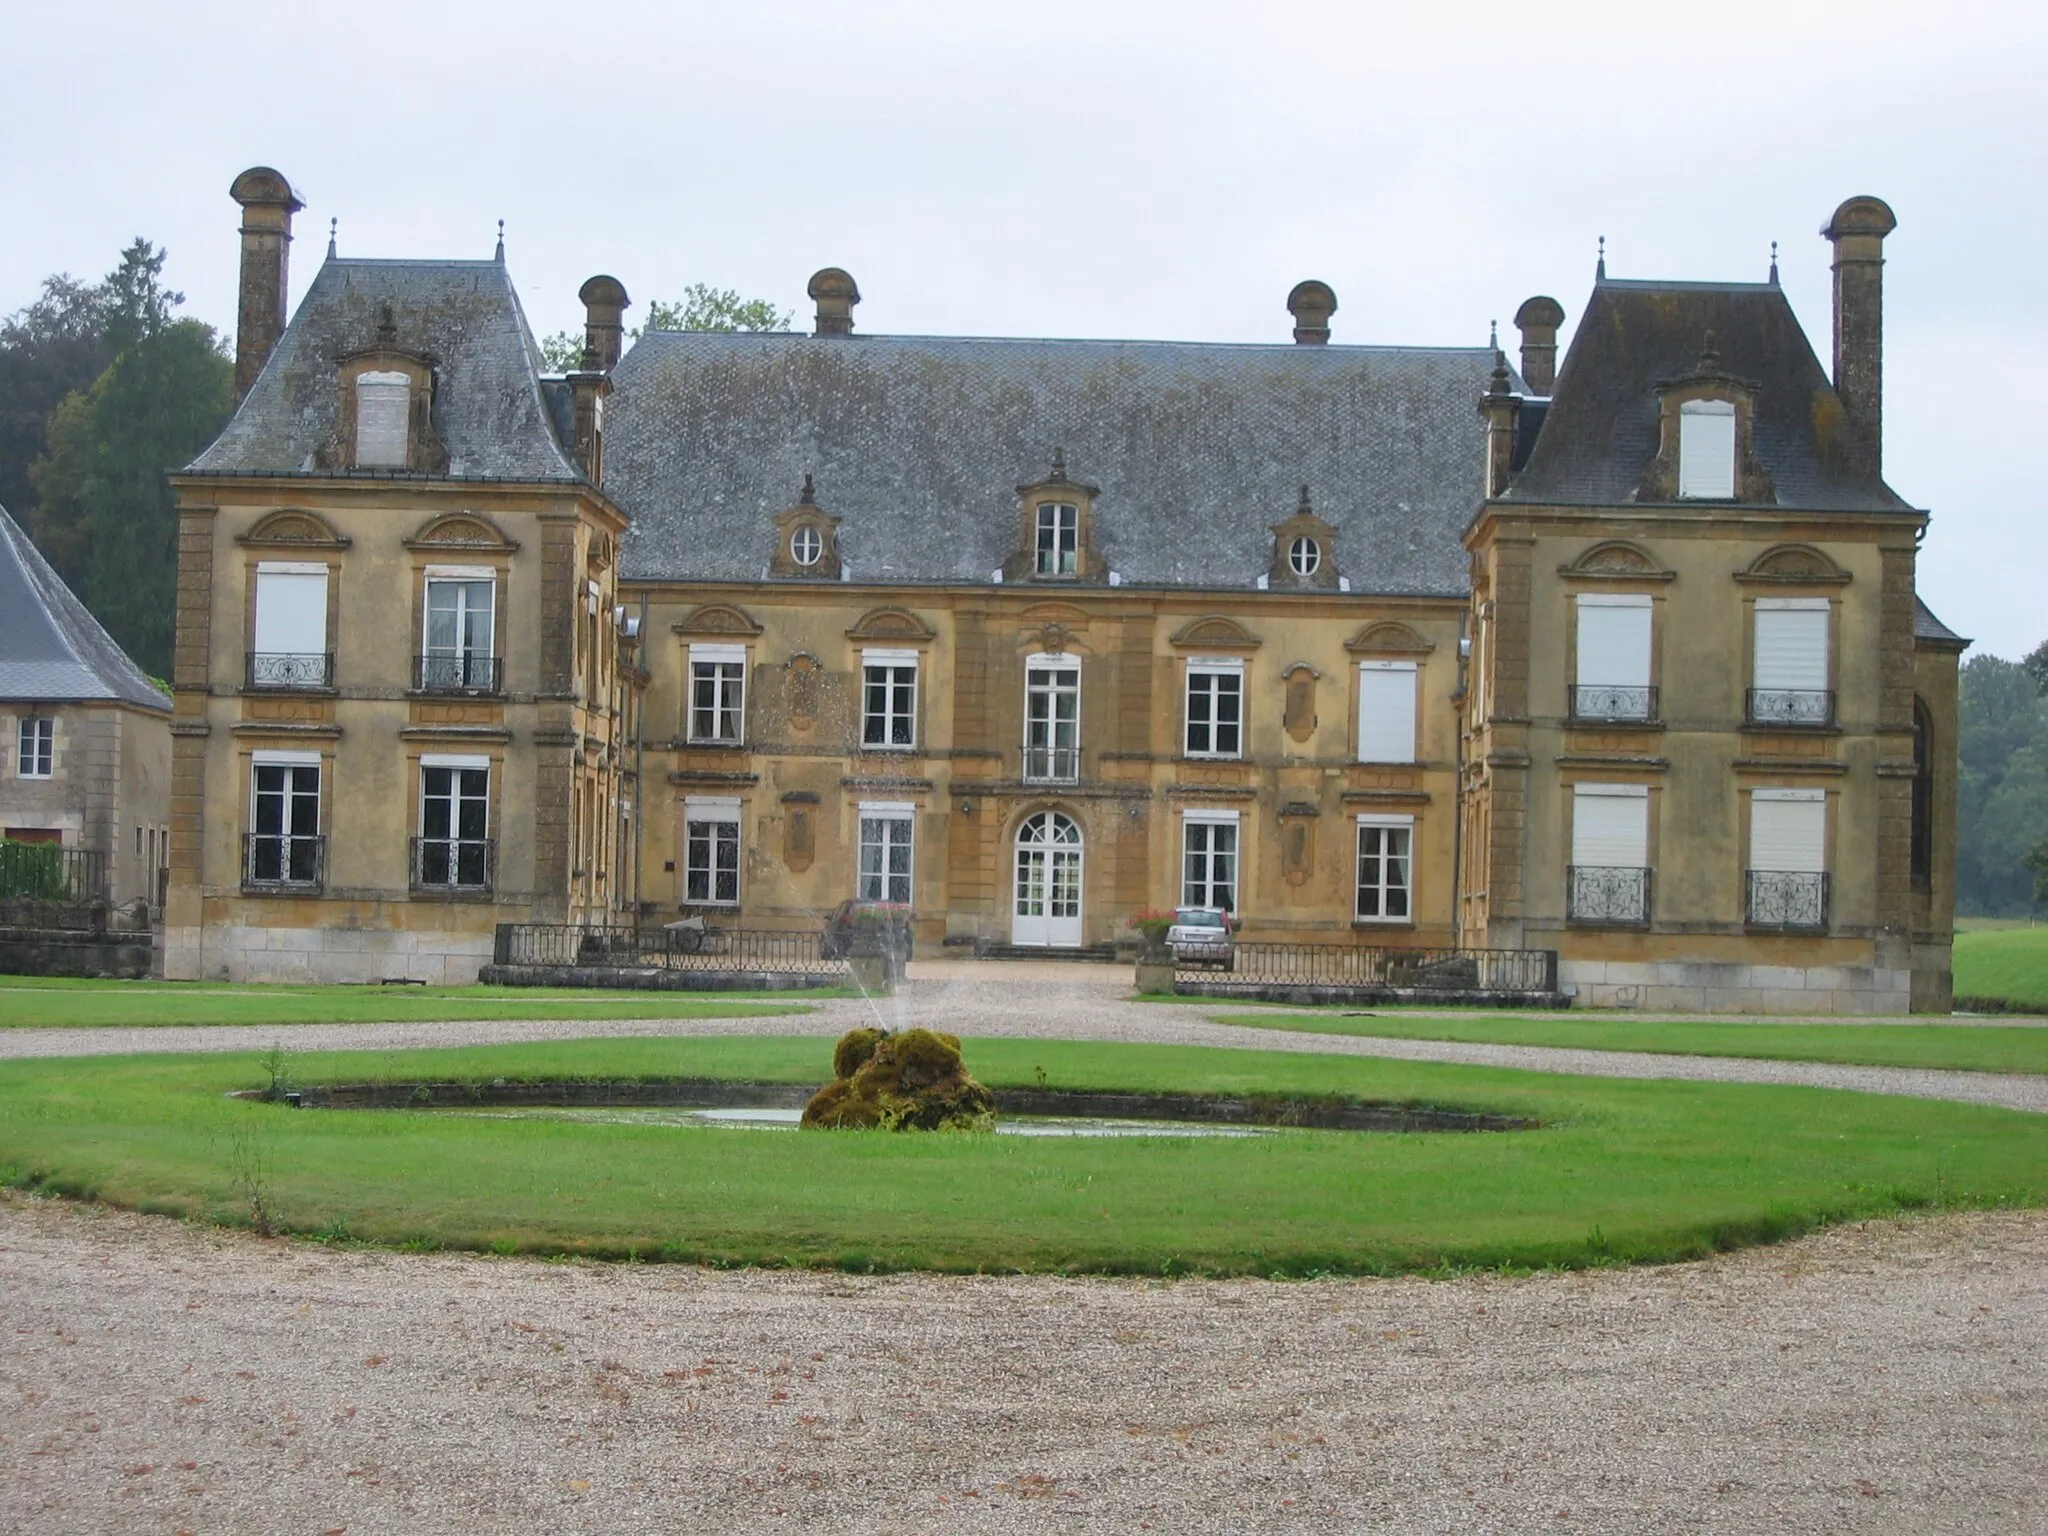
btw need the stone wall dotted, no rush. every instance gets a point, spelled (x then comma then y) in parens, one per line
(1693, 986)
(37, 952)
(230, 952)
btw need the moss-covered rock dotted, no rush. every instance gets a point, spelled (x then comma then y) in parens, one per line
(912, 1081)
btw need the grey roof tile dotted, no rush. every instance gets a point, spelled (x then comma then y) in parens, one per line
(1927, 627)
(51, 649)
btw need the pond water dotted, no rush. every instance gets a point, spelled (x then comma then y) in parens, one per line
(761, 1118)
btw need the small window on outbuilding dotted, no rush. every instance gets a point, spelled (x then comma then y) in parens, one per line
(1706, 450)
(383, 409)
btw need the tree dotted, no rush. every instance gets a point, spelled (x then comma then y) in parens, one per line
(2001, 788)
(2037, 667)
(703, 308)
(55, 346)
(104, 515)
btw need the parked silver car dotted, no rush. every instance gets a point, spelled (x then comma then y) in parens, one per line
(1201, 936)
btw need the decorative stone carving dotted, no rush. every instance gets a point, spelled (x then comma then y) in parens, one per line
(1793, 565)
(802, 685)
(1299, 717)
(296, 527)
(717, 619)
(468, 532)
(897, 624)
(1388, 637)
(1216, 631)
(1616, 560)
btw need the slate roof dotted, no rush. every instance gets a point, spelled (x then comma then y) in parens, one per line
(918, 443)
(51, 650)
(1927, 627)
(1601, 429)
(488, 407)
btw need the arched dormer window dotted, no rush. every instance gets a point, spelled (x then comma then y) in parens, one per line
(1706, 450)
(383, 418)
(1057, 539)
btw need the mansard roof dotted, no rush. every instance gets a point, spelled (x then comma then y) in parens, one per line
(489, 408)
(1601, 430)
(51, 650)
(917, 443)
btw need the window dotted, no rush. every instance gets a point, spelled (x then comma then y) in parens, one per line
(718, 693)
(1788, 882)
(289, 635)
(383, 411)
(36, 747)
(1790, 679)
(1052, 718)
(711, 851)
(284, 846)
(1304, 556)
(1706, 449)
(454, 847)
(805, 546)
(888, 719)
(1613, 659)
(1386, 712)
(1386, 869)
(1923, 798)
(1209, 860)
(1215, 712)
(885, 848)
(1610, 876)
(1059, 535)
(460, 630)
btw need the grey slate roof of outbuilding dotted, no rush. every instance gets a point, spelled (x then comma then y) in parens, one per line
(1927, 627)
(51, 650)
(465, 315)
(1600, 432)
(918, 443)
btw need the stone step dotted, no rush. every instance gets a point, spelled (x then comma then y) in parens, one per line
(987, 950)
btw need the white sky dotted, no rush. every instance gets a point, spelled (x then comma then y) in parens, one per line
(1112, 169)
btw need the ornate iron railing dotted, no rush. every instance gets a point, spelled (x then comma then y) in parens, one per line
(1052, 765)
(674, 949)
(458, 672)
(1602, 702)
(291, 863)
(1791, 706)
(454, 863)
(1611, 895)
(1261, 963)
(1786, 898)
(289, 669)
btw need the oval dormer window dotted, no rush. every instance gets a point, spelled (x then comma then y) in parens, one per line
(805, 546)
(383, 403)
(1305, 556)
(1706, 450)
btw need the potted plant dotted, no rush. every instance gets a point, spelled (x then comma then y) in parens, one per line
(1155, 961)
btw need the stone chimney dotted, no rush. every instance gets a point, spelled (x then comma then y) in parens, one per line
(1312, 303)
(836, 293)
(268, 204)
(1538, 320)
(604, 308)
(1857, 232)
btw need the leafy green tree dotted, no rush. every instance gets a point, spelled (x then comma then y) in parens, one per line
(703, 308)
(104, 515)
(2001, 788)
(48, 350)
(2037, 667)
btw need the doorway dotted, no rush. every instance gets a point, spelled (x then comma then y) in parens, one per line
(1047, 907)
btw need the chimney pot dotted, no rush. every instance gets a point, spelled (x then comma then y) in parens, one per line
(836, 293)
(268, 204)
(1857, 232)
(604, 308)
(1312, 303)
(1538, 320)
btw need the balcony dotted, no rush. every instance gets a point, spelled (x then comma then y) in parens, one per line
(1795, 901)
(283, 864)
(1051, 765)
(453, 865)
(1613, 704)
(1808, 707)
(288, 671)
(1608, 896)
(458, 672)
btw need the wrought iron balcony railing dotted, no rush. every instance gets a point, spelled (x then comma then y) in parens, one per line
(289, 669)
(1052, 765)
(1613, 896)
(1791, 706)
(454, 863)
(1609, 702)
(458, 672)
(1787, 898)
(291, 863)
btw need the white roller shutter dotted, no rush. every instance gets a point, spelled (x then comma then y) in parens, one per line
(383, 401)
(1791, 644)
(1614, 641)
(291, 610)
(1386, 712)
(1788, 830)
(1610, 826)
(1706, 449)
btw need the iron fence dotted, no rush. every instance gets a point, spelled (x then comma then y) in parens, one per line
(458, 672)
(1784, 898)
(288, 863)
(1602, 703)
(1260, 963)
(1791, 706)
(1616, 896)
(48, 872)
(796, 951)
(454, 863)
(289, 669)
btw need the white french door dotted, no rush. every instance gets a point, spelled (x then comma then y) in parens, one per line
(1047, 906)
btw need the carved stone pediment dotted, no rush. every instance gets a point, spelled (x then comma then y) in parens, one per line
(898, 624)
(294, 528)
(1616, 560)
(1215, 631)
(1388, 637)
(1794, 565)
(717, 619)
(464, 532)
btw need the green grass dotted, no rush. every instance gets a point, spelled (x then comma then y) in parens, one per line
(1623, 1170)
(2007, 963)
(1961, 1047)
(34, 1002)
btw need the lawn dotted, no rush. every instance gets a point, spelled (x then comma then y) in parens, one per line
(35, 1002)
(1623, 1170)
(1961, 1047)
(2006, 963)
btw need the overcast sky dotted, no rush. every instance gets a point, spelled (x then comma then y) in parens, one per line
(1096, 168)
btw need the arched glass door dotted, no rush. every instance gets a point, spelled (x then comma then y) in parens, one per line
(1047, 909)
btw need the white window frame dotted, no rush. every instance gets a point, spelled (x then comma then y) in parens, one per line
(1204, 676)
(1059, 555)
(1706, 454)
(1305, 555)
(1368, 752)
(1206, 827)
(720, 850)
(453, 763)
(899, 700)
(729, 694)
(893, 824)
(1385, 825)
(805, 536)
(1046, 661)
(379, 453)
(461, 658)
(285, 834)
(35, 740)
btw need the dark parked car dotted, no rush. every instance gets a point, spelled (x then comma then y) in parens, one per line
(850, 916)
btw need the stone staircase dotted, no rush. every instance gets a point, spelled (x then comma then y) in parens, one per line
(988, 949)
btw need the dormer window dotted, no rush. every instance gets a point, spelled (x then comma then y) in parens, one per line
(383, 413)
(1706, 450)
(1305, 556)
(1059, 538)
(806, 546)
